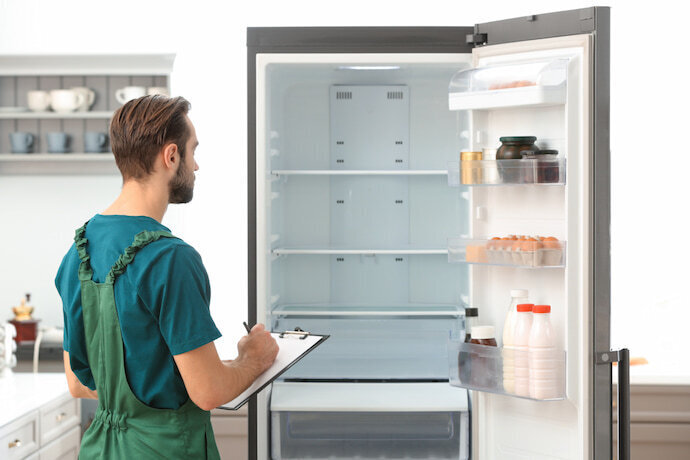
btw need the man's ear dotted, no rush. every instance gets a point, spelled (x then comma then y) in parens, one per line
(170, 156)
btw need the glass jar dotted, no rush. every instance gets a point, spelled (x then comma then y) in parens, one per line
(512, 148)
(548, 171)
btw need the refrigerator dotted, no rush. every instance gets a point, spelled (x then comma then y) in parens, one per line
(365, 224)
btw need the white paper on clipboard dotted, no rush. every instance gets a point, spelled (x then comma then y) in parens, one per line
(291, 348)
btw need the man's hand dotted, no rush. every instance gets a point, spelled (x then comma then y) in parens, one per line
(211, 382)
(257, 351)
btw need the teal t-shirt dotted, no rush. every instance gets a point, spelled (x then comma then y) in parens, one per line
(162, 302)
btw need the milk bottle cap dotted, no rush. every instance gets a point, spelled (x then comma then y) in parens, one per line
(541, 309)
(518, 293)
(523, 307)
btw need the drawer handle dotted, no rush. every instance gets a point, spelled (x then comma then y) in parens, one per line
(15, 443)
(61, 417)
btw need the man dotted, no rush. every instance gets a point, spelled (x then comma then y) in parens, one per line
(138, 332)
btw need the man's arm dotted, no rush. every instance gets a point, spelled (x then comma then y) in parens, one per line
(76, 388)
(211, 382)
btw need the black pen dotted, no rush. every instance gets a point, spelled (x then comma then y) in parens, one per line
(246, 326)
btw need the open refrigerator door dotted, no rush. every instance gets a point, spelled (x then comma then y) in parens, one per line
(531, 227)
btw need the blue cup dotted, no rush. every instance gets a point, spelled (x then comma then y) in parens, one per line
(58, 142)
(95, 142)
(22, 142)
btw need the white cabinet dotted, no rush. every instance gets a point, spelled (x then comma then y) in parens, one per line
(231, 432)
(20, 437)
(39, 419)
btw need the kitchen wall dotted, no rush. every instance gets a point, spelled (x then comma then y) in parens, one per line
(648, 97)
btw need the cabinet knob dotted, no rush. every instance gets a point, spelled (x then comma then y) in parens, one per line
(15, 443)
(61, 417)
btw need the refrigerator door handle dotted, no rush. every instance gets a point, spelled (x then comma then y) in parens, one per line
(622, 357)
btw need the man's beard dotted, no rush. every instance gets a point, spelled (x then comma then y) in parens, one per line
(181, 186)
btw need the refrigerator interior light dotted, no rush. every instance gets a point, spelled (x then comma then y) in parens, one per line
(369, 67)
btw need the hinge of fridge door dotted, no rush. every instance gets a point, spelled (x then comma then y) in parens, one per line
(476, 39)
(608, 357)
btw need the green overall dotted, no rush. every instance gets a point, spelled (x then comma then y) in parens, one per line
(124, 427)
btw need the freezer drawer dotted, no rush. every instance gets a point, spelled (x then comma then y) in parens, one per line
(368, 421)
(373, 342)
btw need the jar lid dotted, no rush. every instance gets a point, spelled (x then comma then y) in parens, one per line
(467, 155)
(547, 152)
(482, 332)
(518, 139)
(471, 311)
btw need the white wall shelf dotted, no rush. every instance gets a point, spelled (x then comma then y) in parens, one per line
(98, 115)
(57, 163)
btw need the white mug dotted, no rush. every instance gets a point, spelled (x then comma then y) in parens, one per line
(89, 97)
(123, 95)
(66, 100)
(38, 101)
(162, 90)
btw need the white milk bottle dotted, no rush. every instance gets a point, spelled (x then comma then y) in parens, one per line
(518, 296)
(523, 327)
(544, 359)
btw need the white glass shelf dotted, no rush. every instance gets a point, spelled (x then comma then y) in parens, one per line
(358, 310)
(358, 251)
(531, 84)
(507, 172)
(366, 397)
(28, 115)
(481, 367)
(356, 172)
(507, 252)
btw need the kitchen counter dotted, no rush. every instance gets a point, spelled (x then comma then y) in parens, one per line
(21, 393)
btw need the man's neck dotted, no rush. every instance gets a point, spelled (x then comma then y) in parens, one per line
(141, 199)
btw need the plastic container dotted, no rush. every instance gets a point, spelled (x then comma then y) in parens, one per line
(545, 367)
(518, 296)
(534, 83)
(471, 320)
(481, 371)
(523, 326)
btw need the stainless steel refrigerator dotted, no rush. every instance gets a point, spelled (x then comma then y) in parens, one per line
(365, 224)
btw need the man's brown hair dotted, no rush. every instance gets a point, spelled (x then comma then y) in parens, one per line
(140, 128)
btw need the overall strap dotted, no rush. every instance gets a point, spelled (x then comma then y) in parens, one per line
(141, 240)
(85, 272)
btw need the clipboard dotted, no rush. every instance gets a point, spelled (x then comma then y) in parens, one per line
(292, 346)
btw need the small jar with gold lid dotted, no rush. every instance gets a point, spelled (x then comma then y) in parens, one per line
(470, 167)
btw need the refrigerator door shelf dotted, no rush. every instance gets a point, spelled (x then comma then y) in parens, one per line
(507, 172)
(510, 253)
(387, 347)
(368, 421)
(480, 367)
(536, 83)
